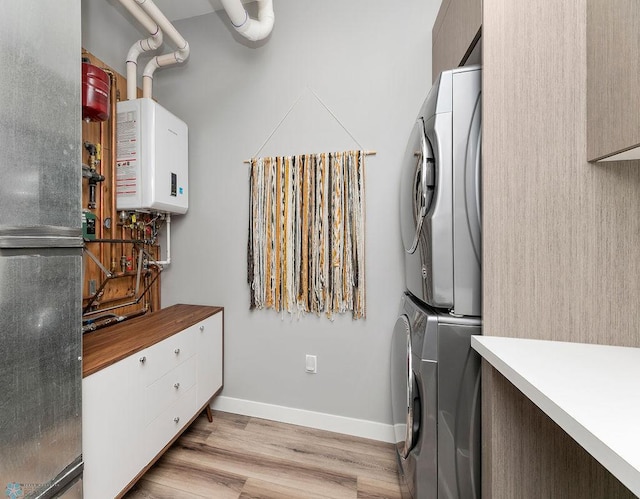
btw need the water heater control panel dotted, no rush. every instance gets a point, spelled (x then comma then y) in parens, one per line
(152, 158)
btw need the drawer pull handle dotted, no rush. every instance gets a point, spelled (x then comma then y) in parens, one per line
(176, 419)
(142, 359)
(176, 351)
(201, 328)
(176, 385)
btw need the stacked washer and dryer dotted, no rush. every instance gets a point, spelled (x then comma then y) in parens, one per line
(435, 375)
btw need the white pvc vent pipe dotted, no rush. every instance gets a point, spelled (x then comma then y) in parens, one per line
(141, 46)
(251, 29)
(168, 260)
(154, 21)
(181, 54)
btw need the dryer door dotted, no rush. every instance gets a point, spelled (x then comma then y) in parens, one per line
(418, 185)
(473, 179)
(404, 392)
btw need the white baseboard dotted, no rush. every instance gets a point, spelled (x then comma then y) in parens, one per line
(339, 424)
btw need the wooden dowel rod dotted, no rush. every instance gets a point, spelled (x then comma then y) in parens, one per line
(366, 153)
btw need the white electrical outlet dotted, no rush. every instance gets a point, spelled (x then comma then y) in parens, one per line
(311, 364)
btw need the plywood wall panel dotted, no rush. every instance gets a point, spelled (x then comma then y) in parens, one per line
(122, 289)
(561, 236)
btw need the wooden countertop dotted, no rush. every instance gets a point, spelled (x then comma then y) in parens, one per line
(591, 391)
(107, 346)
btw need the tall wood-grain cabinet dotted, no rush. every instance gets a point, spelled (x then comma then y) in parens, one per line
(145, 381)
(613, 79)
(455, 34)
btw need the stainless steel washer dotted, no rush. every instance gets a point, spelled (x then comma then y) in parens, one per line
(435, 390)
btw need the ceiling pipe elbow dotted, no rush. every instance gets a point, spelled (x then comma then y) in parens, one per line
(169, 29)
(251, 29)
(161, 61)
(182, 54)
(151, 67)
(146, 45)
(153, 42)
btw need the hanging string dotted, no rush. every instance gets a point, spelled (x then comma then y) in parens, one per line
(336, 118)
(293, 106)
(277, 127)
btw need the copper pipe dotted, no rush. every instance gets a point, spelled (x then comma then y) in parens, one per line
(113, 92)
(101, 172)
(122, 252)
(115, 307)
(94, 299)
(120, 275)
(110, 319)
(110, 300)
(98, 303)
(122, 305)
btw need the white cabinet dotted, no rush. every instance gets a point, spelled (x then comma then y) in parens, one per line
(209, 339)
(134, 406)
(111, 419)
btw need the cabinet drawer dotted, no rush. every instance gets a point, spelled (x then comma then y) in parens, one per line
(169, 388)
(162, 429)
(159, 359)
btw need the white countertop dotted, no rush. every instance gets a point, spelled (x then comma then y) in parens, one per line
(591, 391)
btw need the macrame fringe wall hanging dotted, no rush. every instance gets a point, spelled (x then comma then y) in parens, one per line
(306, 234)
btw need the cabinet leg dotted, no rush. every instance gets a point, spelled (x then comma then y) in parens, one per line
(209, 413)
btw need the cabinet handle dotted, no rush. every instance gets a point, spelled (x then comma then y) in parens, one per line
(142, 359)
(201, 328)
(176, 419)
(176, 351)
(176, 385)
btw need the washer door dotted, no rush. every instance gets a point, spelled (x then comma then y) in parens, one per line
(418, 186)
(473, 180)
(404, 391)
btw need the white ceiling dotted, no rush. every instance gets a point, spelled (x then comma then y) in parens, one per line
(183, 9)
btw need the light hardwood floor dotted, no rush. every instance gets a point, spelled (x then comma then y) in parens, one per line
(240, 457)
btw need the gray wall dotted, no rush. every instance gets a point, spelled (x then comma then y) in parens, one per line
(369, 62)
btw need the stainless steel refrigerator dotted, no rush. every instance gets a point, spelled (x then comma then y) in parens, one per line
(40, 249)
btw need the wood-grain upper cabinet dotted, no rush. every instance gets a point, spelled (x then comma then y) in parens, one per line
(455, 33)
(613, 79)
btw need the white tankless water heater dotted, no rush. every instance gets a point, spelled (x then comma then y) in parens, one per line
(152, 158)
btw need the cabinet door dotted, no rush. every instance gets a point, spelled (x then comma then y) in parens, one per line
(613, 78)
(111, 406)
(209, 371)
(455, 33)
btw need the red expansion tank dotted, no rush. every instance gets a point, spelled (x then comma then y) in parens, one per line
(95, 93)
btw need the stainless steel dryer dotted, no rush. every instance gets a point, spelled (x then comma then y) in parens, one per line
(435, 390)
(440, 196)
